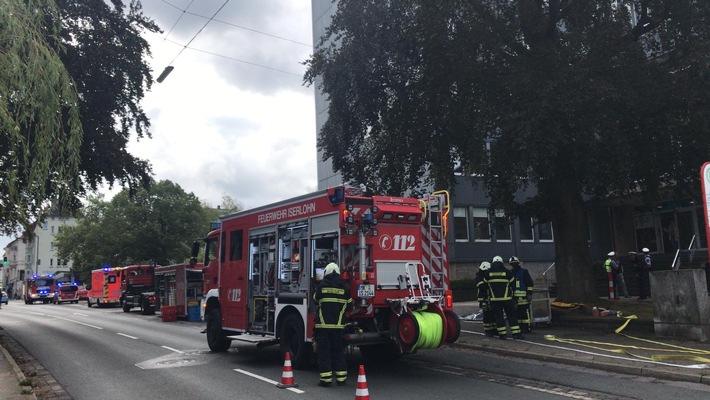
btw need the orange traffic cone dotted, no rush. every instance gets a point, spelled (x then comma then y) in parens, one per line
(361, 393)
(287, 375)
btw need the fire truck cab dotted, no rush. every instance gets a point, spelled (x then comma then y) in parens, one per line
(268, 261)
(39, 288)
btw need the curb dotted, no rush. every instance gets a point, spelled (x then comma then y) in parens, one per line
(605, 366)
(18, 372)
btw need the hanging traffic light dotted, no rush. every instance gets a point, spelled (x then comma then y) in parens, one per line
(4, 261)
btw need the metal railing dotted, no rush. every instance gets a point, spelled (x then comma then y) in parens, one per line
(544, 274)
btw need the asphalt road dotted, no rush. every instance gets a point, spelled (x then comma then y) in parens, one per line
(107, 354)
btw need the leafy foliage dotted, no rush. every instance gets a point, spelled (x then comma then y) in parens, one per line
(576, 98)
(157, 225)
(71, 86)
(40, 131)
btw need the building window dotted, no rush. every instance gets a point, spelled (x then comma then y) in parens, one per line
(51, 262)
(502, 227)
(527, 230)
(545, 231)
(481, 225)
(52, 229)
(460, 224)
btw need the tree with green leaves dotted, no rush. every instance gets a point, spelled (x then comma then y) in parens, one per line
(154, 225)
(581, 100)
(72, 75)
(40, 130)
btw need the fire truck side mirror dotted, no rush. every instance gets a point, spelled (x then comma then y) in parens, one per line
(195, 250)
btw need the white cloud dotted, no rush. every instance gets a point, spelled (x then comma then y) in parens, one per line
(225, 127)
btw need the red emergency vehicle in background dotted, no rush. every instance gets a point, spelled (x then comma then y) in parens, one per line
(105, 287)
(267, 262)
(39, 288)
(138, 288)
(66, 292)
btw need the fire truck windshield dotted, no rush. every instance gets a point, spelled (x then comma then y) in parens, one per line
(43, 282)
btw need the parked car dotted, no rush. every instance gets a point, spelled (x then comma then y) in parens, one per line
(66, 294)
(4, 298)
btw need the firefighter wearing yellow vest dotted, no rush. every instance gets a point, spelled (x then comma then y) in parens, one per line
(499, 283)
(489, 321)
(332, 298)
(523, 294)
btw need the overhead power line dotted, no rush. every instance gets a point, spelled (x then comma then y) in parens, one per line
(238, 26)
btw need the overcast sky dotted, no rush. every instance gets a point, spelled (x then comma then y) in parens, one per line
(233, 118)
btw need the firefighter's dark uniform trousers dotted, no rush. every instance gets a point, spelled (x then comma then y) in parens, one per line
(489, 321)
(499, 282)
(523, 292)
(332, 298)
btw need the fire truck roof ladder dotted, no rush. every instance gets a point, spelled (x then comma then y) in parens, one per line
(437, 205)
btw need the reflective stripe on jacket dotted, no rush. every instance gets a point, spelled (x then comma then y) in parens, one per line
(499, 282)
(332, 298)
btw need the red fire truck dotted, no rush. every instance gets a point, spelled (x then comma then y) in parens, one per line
(105, 287)
(391, 251)
(39, 288)
(138, 288)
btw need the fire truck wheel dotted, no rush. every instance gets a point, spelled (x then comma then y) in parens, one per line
(146, 309)
(292, 339)
(407, 329)
(453, 326)
(126, 307)
(216, 339)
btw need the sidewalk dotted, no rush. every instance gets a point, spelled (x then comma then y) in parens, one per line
(11, 378)
(580, 340)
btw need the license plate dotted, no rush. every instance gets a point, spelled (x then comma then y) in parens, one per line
(365, 291)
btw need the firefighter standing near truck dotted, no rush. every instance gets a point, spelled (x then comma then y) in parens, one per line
(332, 298)
(499, 282)
(523, 294)
(489, 321)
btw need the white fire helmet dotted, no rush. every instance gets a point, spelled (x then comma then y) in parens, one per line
(485, 266)
(514, 259)
(611, 254)
(498, 259)
(330, 268)
(645, 250)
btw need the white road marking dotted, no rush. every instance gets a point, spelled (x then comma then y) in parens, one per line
(77, 322)
(81, 315)
(559, 392)
(128, 336)
(171, 349)
(267, 380)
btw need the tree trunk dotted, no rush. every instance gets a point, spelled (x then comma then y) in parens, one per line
(573, 267)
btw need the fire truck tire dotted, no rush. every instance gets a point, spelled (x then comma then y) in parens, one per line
(453, 326)
(146, 309)
(407, 329)
(292, 339)
(216, 339)
(126, 307)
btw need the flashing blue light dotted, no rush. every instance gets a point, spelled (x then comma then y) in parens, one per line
(50, 275)
(338, 195)
(106, 269)
(367, 218)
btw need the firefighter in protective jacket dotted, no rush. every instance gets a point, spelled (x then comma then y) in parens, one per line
(332, 298)
(499, 283)
(523, 294)
(489, 321)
